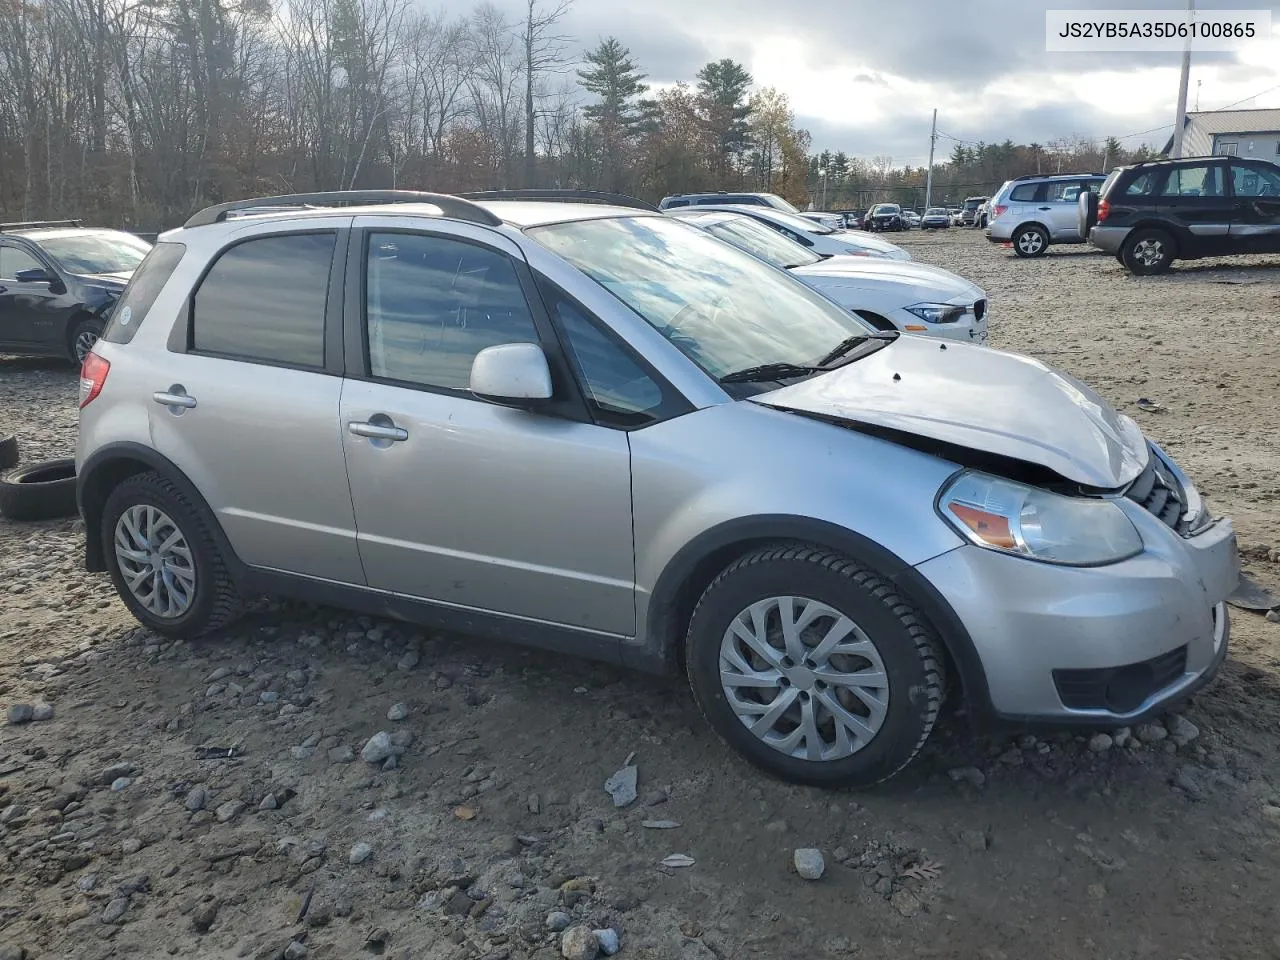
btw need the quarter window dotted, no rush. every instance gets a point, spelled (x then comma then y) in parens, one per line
(1142, 184)
(616, 387)
(433, 303)
(1024, 192)
(1255, 181)
(264, 300)
(144, 286)
(13, 261)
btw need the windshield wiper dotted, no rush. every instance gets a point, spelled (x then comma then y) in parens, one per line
(768, 371)
(850, 343)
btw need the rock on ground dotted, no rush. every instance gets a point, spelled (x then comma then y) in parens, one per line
(360, 853)
(809, 863)
(579, 943)
(378, 748)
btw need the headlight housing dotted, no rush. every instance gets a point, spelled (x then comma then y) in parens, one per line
(938, 312)
(1014, 518)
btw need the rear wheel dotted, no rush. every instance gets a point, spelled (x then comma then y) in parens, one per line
(164, 561)
(813, 668)
(1030, 241)
(1147, 252)
(83, 336)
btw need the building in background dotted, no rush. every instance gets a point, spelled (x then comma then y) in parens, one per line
(1233, 133)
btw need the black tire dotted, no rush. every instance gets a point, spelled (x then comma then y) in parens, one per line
(1148, 252)
(216, 602)
(8, 452)
(40, 491)
(1030, 240)
(83, 335)
(911, 654)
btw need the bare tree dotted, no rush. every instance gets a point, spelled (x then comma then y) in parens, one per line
(544, 51)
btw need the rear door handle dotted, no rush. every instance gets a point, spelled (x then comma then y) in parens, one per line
(1046, 208)
(378, 431)
(166, 399)
(3, 289)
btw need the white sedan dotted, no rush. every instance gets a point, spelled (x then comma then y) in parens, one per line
(912, 297)
(813, 236)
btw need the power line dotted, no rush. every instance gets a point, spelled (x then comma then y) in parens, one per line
(1247, 99)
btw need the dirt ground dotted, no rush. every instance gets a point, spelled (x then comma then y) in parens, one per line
(117, 838)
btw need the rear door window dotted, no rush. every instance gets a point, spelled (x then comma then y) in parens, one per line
(264, 300)
(144, 286)
(1200, 180)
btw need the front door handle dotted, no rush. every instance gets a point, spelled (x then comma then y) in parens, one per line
(3, 289)
(1046, 208)
(171, 398)
(378, 431)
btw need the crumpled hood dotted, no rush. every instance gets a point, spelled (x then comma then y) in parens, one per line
(916, 282)
(980, 398)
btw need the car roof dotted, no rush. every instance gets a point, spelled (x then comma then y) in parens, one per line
(47, 233)
(533, 213)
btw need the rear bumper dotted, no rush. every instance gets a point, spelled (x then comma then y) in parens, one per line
(1110, 239)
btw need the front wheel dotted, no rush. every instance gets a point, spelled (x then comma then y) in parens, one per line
(1030, 241)
(813, 668)
(163, 560)
(1147, 252)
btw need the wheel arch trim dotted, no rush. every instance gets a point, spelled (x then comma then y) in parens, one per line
(92, 491)
(682, 581)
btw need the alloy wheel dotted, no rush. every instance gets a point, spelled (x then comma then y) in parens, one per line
(84, 343)
(1030, 242)
(1148, 252)
(155, 561)
(804, 678)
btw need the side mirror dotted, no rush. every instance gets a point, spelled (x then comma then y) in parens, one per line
(35, 275)
(515, 374)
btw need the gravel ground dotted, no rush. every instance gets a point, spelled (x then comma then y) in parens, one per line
(418, 795)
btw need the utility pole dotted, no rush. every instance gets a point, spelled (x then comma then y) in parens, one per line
(933, 140)
(1181, 120)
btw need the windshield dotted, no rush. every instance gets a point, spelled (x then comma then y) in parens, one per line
(972, 204)
(88, 253)
(797, 222)
(887, 208)
(726, 310)
(936, 212)
(778, 203)
(760, 241)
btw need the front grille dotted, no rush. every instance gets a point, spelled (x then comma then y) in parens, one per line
(1158, 492)
(1120, 689)
(979, 309)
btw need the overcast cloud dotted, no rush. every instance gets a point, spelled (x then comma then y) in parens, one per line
(864, 75)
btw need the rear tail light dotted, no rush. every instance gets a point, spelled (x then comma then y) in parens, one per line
(93, 375)
(1104, 208)
(998, 211)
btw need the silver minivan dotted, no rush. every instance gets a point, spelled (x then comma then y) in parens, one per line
(593, 428)
(1030, 213)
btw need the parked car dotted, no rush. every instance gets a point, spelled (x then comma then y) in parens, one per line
(829, 220)
(935, 218)
(889, 294)
(957, 216)
(58, 282)
(971, 212)
(884, 216)
(852, 218)
(700, 199)
(1150, 214)
(600, 430)
(1033, 212)
(910, 219)
(821, 240)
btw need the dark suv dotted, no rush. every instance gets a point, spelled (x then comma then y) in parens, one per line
(58, 282)
(1150, 214)
(884, 216)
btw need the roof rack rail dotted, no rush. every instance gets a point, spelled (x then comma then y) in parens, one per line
(34, 224)
(449, 205)
(563, 196)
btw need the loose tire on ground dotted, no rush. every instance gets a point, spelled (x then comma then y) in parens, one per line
(900, 642)
(213, 600)
(1148, 252)
(1030, 240)
(39, 491)
(8, 452)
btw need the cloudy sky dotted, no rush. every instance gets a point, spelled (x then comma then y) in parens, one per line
(864, 75)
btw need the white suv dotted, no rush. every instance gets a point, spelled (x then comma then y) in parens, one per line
(1032, 212)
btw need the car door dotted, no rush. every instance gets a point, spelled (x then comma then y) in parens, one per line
(1194, 199)
(32, 314)
(460, 501)
(245, 401)
(1256, 225)
(1060, 207)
